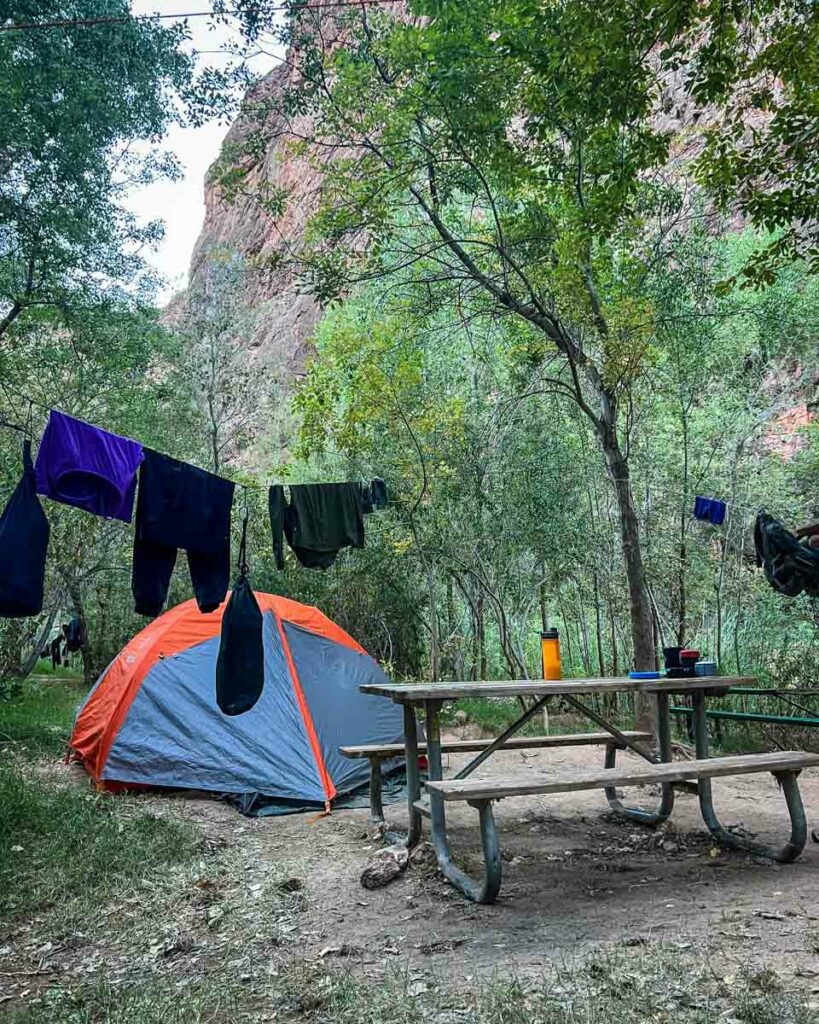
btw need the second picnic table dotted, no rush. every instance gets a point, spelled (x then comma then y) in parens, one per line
(659, 768)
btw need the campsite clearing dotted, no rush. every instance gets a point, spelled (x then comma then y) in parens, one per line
(271, 909)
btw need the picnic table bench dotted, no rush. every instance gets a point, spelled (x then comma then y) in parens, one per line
(658, 768)
(377, 754)
(480, 793)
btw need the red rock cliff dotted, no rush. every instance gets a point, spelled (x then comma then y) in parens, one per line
(285, 315)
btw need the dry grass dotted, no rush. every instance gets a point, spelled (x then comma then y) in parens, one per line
(649, 986)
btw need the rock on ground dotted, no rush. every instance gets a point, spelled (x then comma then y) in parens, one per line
(386, 865)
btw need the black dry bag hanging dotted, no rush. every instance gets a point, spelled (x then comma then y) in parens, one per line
(240, 664)
(23, 544)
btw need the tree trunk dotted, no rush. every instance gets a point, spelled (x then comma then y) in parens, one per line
(682, 568)
(584, 637)
(598, 626)
(451, 626)
(434, 641)
(615, 664)
(738, 620)
(480, 638)
(567, 636)
(544, 608)
(516, 668)
(214, 449)
(30, 663)
(683, 609)
(642, 625)
(483, 666)
(719, 589)
(15, 310)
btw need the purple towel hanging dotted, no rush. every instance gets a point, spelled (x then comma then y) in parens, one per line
(81, 465)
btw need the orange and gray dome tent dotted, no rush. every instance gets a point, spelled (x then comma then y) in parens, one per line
(152, 717)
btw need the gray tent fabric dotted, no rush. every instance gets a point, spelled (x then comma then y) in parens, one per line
(175, 735)
(394, 791)
(330, 676)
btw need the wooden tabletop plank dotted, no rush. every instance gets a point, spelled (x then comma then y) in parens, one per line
(637, 774)
(416, 692)
(697, 683)
(500, 688)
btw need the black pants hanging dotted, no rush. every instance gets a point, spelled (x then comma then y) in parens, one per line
(180, 506)
(151, 577)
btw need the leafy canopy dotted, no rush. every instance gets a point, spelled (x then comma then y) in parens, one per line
(741, 79)
(77, 103)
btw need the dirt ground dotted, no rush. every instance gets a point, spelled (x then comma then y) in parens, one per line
(575, 878)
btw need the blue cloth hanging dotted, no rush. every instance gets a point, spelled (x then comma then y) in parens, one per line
(709, 510)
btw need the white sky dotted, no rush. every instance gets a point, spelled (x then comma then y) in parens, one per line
(181, 204)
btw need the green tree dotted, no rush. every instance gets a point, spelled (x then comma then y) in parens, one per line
(83, 109)
(477, 148)
(486, 474)
(753, 71)
(214, 328)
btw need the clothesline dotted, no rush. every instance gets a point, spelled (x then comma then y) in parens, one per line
(514, 472)
(179, 507)
(747, 508)
(244, 484)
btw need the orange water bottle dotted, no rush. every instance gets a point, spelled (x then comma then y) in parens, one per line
(550, 654)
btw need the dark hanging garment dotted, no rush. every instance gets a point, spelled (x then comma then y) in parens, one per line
(790, 567)
(373, 495)
(24, 533)
(78, 464)
(321, 519)
(152, 570)
(378, 494)
(180, 506)
(240, 662)
(365, 494)
(150, 574)
(56, 652)
(277, 504)
(74, 635)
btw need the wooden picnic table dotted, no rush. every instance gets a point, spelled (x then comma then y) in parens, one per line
(432, 696)
(418, 693)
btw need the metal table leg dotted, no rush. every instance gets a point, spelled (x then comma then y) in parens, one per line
(787, 781)
(485, 889)
(413, 836)
(667, 798)
(413, 776)
(499, 741)
(376, 796)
